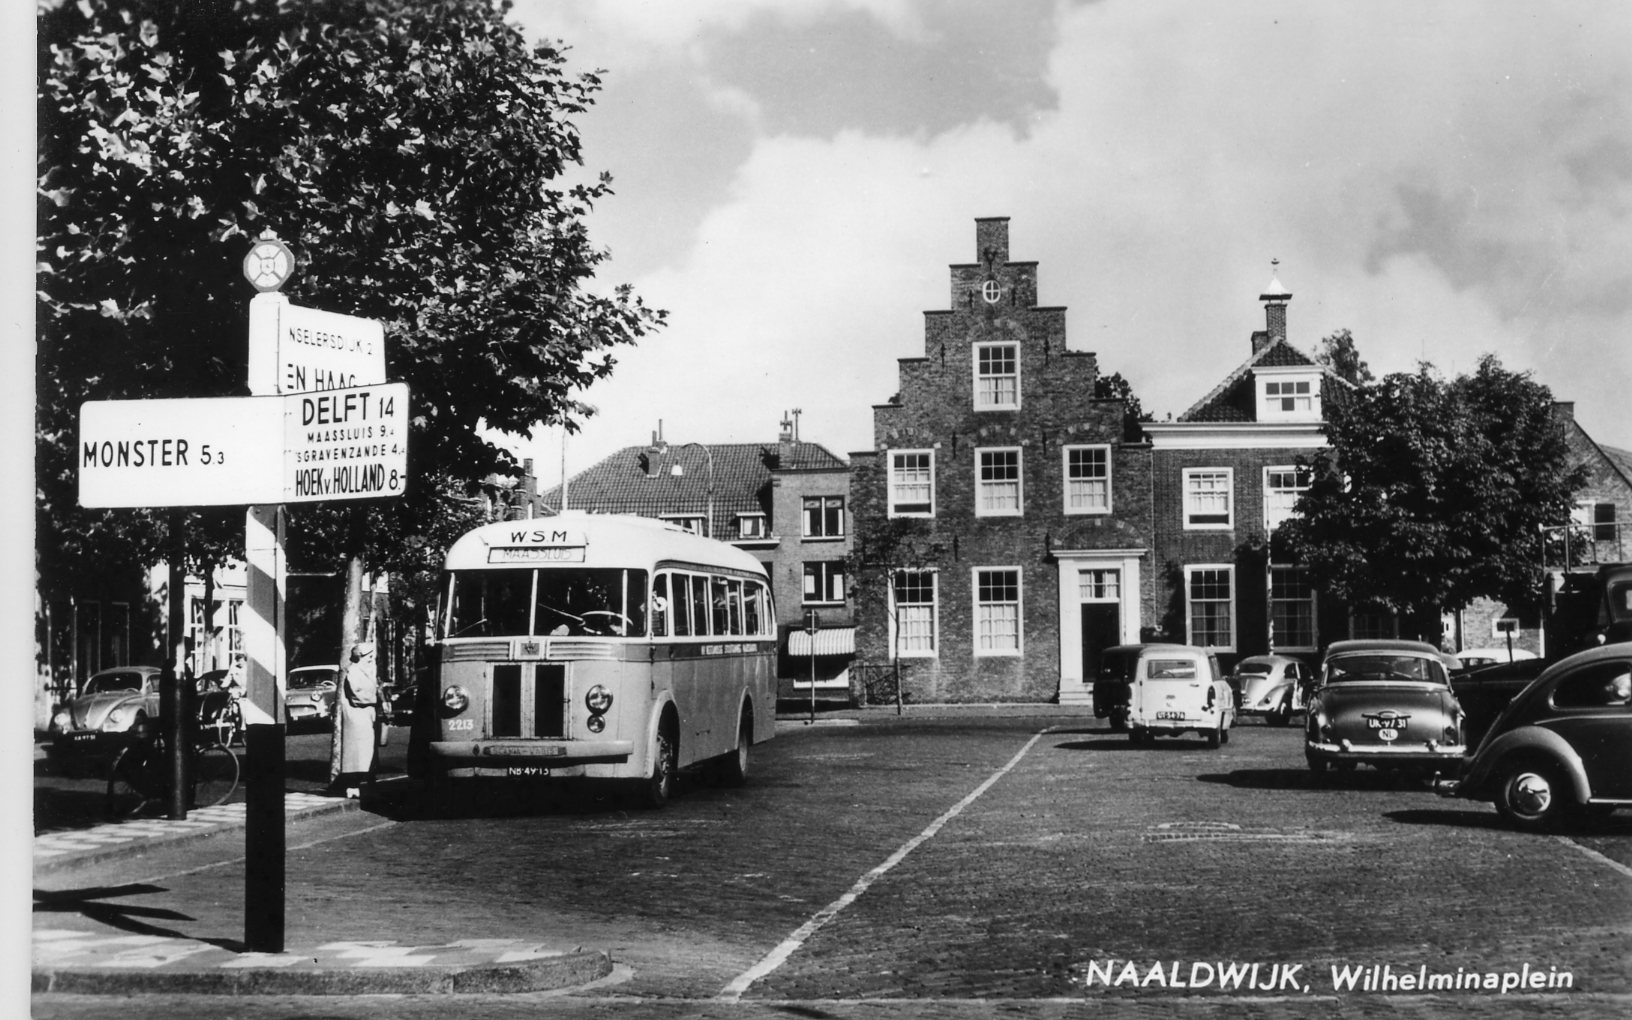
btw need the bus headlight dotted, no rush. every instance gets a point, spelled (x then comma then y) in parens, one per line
(455, 700)
(598, 700)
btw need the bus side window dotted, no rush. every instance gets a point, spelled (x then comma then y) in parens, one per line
(680, 605)
(699, 607)
(735, 601)
(720, 602)
(660, 606)
(750, 608)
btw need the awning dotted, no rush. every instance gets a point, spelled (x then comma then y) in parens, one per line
(831, 641)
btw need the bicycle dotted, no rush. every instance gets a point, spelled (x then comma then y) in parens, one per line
(139, 776)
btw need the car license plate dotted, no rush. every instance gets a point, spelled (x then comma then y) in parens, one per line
(82, 738)
(1170, 715)
(526, 770)
(1386, 724)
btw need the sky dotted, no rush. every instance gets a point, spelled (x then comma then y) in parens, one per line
(793, 177)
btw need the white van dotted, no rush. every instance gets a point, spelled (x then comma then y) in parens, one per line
(1175, 689)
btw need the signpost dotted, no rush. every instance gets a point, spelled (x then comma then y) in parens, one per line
(220, 451)
(321, 424)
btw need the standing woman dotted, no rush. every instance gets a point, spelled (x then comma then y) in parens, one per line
(357, 707)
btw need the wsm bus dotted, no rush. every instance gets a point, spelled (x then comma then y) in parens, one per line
(598, 647)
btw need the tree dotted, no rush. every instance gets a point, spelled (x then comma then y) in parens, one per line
(1434, 493)
(414, 153)
(1339, 354)
(1114, 387)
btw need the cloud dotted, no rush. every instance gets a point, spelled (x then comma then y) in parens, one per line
(1443, 180)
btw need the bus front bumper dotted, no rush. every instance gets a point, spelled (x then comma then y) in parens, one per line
(519, 753)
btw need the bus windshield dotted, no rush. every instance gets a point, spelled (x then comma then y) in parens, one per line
(564, 602)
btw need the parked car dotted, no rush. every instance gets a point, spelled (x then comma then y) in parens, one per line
(112, 705)
(1471, 658)
(1271, 686)
(1171, 690)
(1485, 690)
(309, 696)
(1562, 747)
(1384, 703)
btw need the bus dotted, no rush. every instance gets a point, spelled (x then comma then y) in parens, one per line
(598, 647)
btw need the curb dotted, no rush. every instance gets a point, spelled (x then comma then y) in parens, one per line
(183, 833)
(561, 970)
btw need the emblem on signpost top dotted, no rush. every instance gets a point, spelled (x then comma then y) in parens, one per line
(269, 263)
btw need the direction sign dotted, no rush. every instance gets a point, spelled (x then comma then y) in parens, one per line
(226, 451)
(307, 349)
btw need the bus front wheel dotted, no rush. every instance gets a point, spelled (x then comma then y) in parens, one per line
(658, 787)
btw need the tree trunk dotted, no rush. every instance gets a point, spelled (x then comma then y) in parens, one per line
(351, 622)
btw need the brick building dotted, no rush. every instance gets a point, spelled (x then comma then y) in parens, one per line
(1600, 531)
(1001, 516)
(1224, 474)
(786, 502)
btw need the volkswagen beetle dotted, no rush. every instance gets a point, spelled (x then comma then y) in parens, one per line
(1384, 703)
(113, 703)
(1271, 686)
(1562, 746)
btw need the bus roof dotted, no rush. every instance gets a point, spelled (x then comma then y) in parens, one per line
(594, 540)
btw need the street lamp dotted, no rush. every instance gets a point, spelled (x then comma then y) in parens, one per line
(678, 471)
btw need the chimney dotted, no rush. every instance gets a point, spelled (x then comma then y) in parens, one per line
(1274, 297)
(992, 240)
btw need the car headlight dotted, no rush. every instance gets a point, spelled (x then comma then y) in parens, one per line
(598, 700)
(116, 719)
(62, 721)
(455, 700)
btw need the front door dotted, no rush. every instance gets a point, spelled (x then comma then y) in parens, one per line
(1101, 628)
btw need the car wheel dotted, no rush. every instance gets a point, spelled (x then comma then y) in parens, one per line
(1119, 720)
(1224, 737)
(1531, 793)
(1215, 736)
(1281, 714)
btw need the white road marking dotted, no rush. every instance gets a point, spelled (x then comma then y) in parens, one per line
(778, 956)
(1595, 855)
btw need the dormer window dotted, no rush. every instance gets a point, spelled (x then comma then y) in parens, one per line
(1288, 396)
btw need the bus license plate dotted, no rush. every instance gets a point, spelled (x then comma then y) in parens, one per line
(1170, 715)
(526, 770)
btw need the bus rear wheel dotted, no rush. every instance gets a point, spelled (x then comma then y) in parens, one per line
(658, 788)
(733, 767)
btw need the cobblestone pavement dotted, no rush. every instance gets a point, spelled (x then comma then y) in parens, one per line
(968, 867)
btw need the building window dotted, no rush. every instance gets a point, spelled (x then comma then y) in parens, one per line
(1099, 585)
(912, 483)
(1598, 519)
(751, 526)
(1087, 479)
(1207, 498)
(1282, 487)
(913, 594)
(997, 377)
(824, 516)
(1210, 606)
(690, 522)
(1373, 623)
(1283, 397)
(1292, 610)
(997, 611)
(824, 583)
(998, 482)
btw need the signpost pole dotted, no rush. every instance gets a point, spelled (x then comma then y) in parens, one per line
(173, 703)
(267, 266)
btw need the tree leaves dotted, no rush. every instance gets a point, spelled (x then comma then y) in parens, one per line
(1434, 492)
(412, 154)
